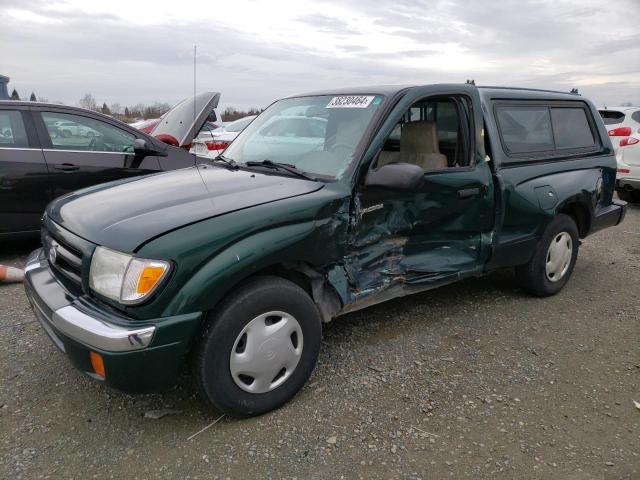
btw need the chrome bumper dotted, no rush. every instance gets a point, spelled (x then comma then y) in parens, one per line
(84, 328)
(101, 335)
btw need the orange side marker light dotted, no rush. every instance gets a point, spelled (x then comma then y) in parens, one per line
(98, 364)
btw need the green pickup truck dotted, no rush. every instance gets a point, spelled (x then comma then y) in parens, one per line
(326, 203)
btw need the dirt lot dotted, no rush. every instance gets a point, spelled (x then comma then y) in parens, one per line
(475, 380)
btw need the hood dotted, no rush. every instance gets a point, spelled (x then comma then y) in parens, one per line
(180, 124)
(124, 215)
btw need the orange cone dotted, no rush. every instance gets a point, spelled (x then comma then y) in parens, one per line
(10, 274)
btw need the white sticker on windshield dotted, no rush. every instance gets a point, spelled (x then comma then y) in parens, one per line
(351, 101)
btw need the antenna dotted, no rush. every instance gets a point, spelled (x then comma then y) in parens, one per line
(194, 97)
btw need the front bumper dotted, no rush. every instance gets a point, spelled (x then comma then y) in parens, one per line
(138, 355)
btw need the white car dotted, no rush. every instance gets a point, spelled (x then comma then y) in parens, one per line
(72, 129)
(623, 125)
(212, 143)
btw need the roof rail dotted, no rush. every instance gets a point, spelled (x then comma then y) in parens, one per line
(527, 89)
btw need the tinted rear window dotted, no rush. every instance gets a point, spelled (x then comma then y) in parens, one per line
(12, 132)
(542, 131)
(611, 117)
(571, 128)
(525, 129)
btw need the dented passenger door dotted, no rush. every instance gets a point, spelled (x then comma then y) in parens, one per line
(406, 240)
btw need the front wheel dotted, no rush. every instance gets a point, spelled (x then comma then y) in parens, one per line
(259, 348)
(552, 263)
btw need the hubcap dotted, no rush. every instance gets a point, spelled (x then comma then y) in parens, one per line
(559, 257)
(266, 352)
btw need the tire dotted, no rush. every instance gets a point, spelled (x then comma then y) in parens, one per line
(539, 277)
(228, 337)
(631, 196)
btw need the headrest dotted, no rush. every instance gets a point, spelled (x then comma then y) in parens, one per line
(419, 137)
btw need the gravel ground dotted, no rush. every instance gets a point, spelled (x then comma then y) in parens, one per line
(473, 380)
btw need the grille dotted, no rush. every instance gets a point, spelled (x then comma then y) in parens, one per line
(66, 260)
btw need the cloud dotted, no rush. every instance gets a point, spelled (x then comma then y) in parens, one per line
(257, 51)
(326, 23)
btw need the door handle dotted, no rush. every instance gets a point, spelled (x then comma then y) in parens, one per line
(468, 192)
(66, 167)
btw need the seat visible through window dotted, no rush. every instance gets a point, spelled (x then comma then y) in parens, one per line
(433, 133)
(419, 145)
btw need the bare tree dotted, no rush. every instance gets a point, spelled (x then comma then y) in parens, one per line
(116, 108)
(88, 102)
(231, 113)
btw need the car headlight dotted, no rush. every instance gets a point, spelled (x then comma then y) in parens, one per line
(124, 278)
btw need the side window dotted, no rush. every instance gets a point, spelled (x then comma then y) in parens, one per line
(544, 131)
(75, 132)
(525, 129)
(434, 133)
(571, 128)
(12, 131)
(636, 116)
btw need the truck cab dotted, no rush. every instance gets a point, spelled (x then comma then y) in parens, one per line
(326, 203)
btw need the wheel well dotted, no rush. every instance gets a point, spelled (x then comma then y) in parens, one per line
(290, 274)
(580, 214)
(312, 280)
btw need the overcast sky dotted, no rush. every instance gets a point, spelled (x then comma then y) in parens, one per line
(256, 51)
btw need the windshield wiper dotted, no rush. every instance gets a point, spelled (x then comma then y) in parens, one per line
(287, 167)
(229, 161)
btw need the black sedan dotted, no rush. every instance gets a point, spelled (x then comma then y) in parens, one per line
(48, 150)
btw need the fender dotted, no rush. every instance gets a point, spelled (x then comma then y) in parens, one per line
(240, 260)
(535, 194)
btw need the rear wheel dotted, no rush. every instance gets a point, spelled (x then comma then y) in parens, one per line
(552, 264)
(260, 347)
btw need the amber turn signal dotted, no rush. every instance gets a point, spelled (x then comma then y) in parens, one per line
(98, 364)
(149, 277)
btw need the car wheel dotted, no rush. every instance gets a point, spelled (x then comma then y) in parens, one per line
(631, 196)
(259, 347)
(552, 263)
(65, 133)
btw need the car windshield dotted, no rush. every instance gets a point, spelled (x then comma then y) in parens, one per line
(611, 117)
(317, 134)
(238, 125)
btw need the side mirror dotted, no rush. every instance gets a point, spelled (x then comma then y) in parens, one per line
(397, 176)
(142, 149)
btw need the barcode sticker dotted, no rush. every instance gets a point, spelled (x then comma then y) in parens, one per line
(351, 101)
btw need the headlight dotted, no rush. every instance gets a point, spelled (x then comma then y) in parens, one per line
(124, 278)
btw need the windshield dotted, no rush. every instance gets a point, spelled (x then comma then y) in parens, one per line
(317, 135)
(611, 117)
(239, 125)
